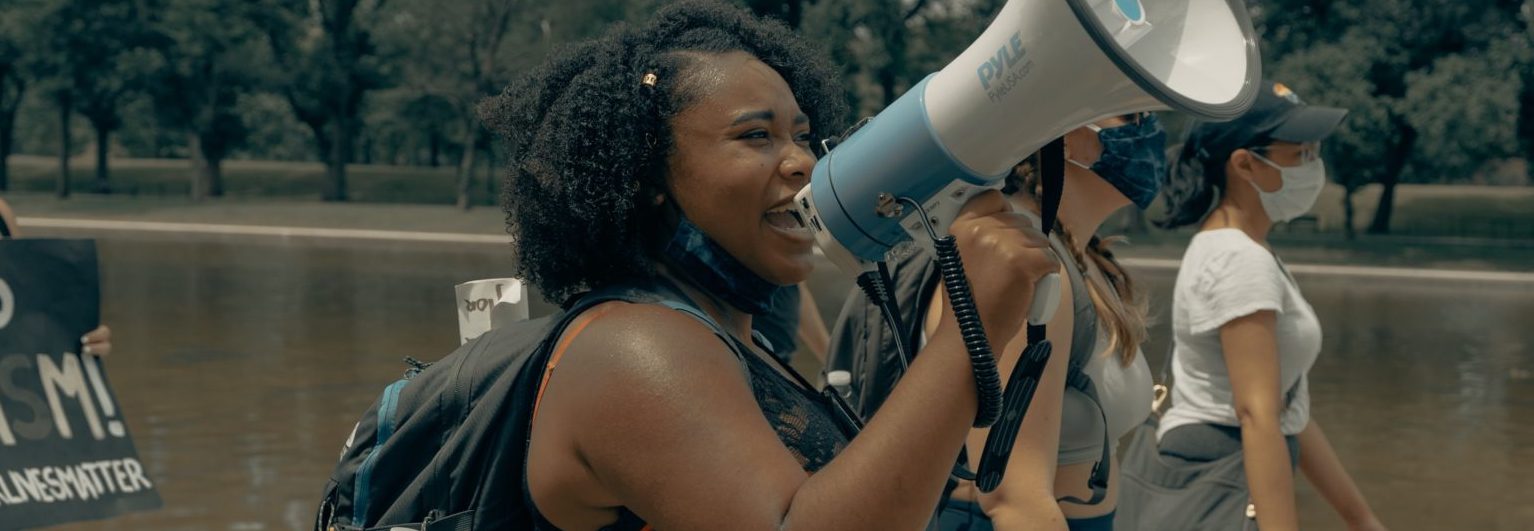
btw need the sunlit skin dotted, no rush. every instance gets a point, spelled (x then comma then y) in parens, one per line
(648, 410)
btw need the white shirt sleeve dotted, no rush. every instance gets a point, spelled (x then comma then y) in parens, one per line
(1235, 281)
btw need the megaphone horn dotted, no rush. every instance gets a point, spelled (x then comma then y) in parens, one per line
(1042, 68)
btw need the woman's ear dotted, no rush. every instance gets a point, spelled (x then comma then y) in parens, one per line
(1241, 164)
(1081, 143)
(658, 199)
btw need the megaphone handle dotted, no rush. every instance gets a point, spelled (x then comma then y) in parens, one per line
(1003, 435)
(1046, 300)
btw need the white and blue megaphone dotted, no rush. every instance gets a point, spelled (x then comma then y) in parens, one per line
(1042, 68)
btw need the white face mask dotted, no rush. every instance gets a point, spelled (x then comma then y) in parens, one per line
(1302, 185)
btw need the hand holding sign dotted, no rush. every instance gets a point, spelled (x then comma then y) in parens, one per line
(65, 454)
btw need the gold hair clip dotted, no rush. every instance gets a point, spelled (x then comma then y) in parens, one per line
(649, 80)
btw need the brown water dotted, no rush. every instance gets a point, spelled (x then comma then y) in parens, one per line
(242, 366)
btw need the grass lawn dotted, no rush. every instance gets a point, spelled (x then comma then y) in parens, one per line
(369, 183)
(1458, 211)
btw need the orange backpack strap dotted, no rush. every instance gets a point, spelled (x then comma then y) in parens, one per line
(559, 351)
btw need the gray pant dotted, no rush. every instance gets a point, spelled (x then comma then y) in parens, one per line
(1202, 443)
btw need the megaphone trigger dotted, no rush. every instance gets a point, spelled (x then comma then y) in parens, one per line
(1046, 300)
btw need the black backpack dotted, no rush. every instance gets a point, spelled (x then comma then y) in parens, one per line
(444, 447)
(862, 344)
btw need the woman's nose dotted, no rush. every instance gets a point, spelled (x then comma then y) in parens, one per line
(797, 164)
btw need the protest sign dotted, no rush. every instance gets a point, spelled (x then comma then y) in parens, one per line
(65, 453)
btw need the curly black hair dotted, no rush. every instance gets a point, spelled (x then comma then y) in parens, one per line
(588, 138)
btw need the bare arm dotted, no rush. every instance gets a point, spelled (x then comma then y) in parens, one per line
(1319, 462)
(1025, 500)
(1251, 356)
(812, 328)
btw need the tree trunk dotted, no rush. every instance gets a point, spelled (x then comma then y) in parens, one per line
(215, 167)
(199, 177)
(434, 145)
(466, 166)
(335, 165)
(1347, 213)
(64, 147)
(367, 148)
(490, 198)
(1395, 162)
(7, 137)
(8, 105)
(5, 160)
(1381, 223)
(1526, 121)
(102, 136)
(887, 84)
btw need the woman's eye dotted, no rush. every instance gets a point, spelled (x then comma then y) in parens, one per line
(758, 134)
(803, 138)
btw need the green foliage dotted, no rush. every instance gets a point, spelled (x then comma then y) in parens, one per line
(1439, 91)
(1426, 82)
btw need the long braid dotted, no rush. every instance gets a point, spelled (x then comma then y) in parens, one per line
(1119, 305)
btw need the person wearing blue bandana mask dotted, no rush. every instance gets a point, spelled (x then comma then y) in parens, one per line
(1071, 427)
(1133, 158)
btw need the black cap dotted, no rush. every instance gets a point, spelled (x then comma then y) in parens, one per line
(1278, 114)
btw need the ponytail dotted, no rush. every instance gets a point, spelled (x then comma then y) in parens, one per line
(1194, 183)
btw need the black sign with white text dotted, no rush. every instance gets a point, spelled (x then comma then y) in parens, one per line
(65, 453)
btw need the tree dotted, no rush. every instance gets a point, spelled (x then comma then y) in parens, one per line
(1388, 61)
(886, 47)
(458, 51)
(1523, 38)
(327, 62)
(791, 12)
(98, 52)
(201, 77)
(16, 20)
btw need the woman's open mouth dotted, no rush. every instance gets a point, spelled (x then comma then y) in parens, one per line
(788, 220)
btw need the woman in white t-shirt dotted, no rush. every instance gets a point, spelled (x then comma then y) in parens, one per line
(1244, 335)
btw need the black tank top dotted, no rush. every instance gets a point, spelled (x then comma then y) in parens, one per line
(804, 420)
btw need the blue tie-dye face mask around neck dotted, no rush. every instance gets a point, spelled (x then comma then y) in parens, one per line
(715, 270)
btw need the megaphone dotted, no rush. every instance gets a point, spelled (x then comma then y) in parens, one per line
(1041, 69)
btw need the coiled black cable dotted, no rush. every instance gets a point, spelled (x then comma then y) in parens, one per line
(982, 361)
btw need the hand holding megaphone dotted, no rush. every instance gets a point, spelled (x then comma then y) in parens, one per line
(1010, 266)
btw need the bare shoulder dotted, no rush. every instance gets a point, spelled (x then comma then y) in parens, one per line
(645, 344)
